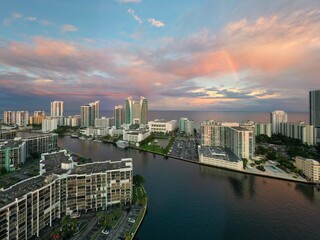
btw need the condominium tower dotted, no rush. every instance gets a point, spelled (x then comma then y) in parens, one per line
(89, 113)
(118, 115)
(314, 108)
(277, 117)
(57, 109)
(136, 112)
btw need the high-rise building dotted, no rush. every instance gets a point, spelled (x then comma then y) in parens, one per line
(314, 108)
(305, 133)
(49, 124)
(263, 128)
(57, 109)
(37, 117)
(9, 117)
(85, 114)
(118, 115)
(136, 112)
(143, 110)
(277, 117)
(95, 111)
(89, 113)
(22, 118)
(222, 134)
(186, 126)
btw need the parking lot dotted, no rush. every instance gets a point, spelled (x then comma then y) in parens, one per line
(125, 225)
(186, 149)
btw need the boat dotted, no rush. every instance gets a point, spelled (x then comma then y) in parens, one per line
(74, 136)
(122, 144)
(82, 138)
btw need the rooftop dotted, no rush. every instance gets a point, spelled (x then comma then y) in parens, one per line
(97, 167)
(52, 162)
(220, 153)
(10, 144)
(21, 189)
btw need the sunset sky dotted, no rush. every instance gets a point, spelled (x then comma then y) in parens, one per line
(214, 55)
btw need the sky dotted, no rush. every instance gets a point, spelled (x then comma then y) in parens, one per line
(216, 55)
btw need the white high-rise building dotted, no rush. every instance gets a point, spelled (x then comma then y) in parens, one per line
(222, 134)
(57, 109)
(85, 114)
(277, 117)
(9, 117)
(263, 128)
(305, 133)
(22, 118)
(49, 124)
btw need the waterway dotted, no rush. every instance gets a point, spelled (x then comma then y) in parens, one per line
(189, 201)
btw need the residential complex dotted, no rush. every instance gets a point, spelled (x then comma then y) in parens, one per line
(136, 112)
(9, 117)
(219, 157)
(20, 118)
(88, 113)
(118, 115)
(103, 122)
(37, 117)
(49, 124)
(62, 187)
(8, 134)
(57, 109)
(73, 121)
(186, 126)
(301, 131)
(263, 128)
(12, 154)
(230, 135)
(162, 126)
(277, 117)
(309, 167)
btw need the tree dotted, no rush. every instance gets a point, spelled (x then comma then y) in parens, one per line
(138, 180)
(245, 162)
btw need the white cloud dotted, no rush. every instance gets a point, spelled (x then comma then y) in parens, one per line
(135, 16)
(69, 28)
(12, 18)
(129, 1)
(156, 23)
(31, 19)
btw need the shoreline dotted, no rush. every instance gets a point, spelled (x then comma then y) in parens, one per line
(218, 167)
(228, 169)
(142, 218)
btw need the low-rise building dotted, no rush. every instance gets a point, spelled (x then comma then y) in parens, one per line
(309, 167)
(73, 121)
(135, 135)
(219, 157)
(62, 187)
(95, 132)
(103, 122)
(162, 126)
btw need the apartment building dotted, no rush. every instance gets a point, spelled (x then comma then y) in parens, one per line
(62, 186)
(309, 167)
